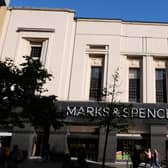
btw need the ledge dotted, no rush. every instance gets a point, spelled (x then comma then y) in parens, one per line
(51, 30)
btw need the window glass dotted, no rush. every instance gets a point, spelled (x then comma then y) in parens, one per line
(134, 84)
(36, 49)
(161, 95)
(96, 83)
(35, 52)
(102, 47)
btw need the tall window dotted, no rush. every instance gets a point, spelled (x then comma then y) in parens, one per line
(97, 54)
(96, 83)
(134, 84)
(96, 76)
(161, 94)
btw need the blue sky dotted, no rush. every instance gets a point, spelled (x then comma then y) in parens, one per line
(139, 10)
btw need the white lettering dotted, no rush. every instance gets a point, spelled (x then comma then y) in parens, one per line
(101, 111)
(116, 112)
(71, 112)
(98, 112)
(142, 113)
(166, 116)
(134, 112)
(90, 111)
(151, 113)
(125, 113)
(160, 114)
(106, 111)
(80, 111)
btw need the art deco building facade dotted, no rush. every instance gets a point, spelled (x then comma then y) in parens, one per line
(82, 54)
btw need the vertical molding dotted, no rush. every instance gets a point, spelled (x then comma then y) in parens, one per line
(143, 45)
(72, 62)
(167, 44)
(44, 51)
(167, 81)
(146, 45)
(150, 80)
(4, 39)
(145, 77)
(16, 47)
(141, 80)
(107, 66)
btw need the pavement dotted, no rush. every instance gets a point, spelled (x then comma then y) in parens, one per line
(38, 163)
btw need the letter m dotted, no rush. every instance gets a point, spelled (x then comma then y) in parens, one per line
(71, 111)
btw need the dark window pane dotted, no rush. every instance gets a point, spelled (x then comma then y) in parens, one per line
(134, 85)
(161, 95)
(2, 2)
(96, 83)
(35, 51)
(103, 47)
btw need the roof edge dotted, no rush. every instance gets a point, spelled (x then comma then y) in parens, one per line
(90, 19)
(121, 21)
(42, 9)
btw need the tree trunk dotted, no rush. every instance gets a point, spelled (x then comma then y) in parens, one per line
(45, 148)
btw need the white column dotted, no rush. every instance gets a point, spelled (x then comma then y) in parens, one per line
(149, 81)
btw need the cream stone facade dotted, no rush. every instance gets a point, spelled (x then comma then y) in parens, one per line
(3, 11)
(71, 47)
(68, 42)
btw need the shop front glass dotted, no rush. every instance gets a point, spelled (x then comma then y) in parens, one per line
(90, 146)
(126, 146)
(85, 137)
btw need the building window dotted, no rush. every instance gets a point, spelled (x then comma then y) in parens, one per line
(36, 49)
(161, 93)
(134, 84)
(96, 83)
(99, 47)
(96, 76)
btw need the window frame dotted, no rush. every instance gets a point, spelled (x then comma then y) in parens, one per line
(95, 92)
(134, 93)
(34, 45)
(162, 88)
(33, 41)
(136, 62)
(96, 61)
(162, 64)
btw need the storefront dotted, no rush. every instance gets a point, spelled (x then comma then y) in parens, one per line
(147, 127)
(126, 143)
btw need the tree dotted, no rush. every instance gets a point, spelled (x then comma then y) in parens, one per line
(32, 77)
(40, 110)
(21, 96)
(9, 94)
(117, 123)
(42, 113)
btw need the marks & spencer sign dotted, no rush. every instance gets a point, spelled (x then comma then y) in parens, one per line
(119, 110)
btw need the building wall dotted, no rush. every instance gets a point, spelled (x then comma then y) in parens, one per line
(3, 11)
(145, 41)
(68, 46)
(60, 42)
(86, 35)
